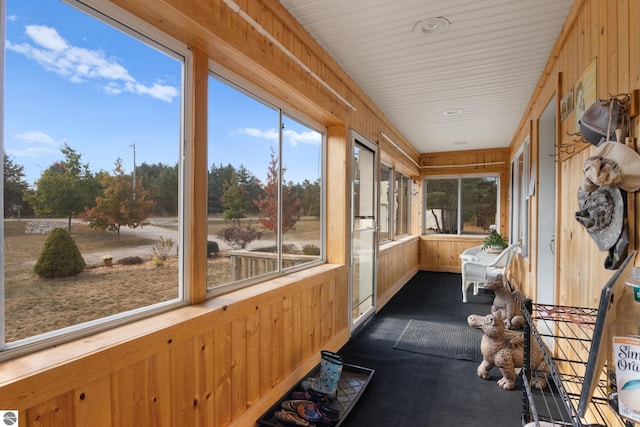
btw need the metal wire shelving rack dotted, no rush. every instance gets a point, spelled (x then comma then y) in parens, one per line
(564, 334)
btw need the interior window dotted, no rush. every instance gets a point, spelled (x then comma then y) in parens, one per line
(264, 189)
(91, 139)
(386, 210)
(462, 205)
(520, 199)
(403, 203)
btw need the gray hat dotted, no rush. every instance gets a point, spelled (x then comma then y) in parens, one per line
(599, 122)
(602, 214)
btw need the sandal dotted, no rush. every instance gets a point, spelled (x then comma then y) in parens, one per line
(305, 409)
(312, 412)
(291, 418)
(312, 395)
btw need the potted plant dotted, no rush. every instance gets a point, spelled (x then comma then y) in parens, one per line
(108, 260)
(494, 243)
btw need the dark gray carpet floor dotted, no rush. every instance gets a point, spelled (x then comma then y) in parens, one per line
(415, 389)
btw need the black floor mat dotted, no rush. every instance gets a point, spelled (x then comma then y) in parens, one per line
(441, 339)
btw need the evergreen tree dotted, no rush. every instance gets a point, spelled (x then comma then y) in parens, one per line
(65, 188)
(217, 177)
(234, 200)
(60, 256)
(15, 189)
(162, 182)
(310, 198)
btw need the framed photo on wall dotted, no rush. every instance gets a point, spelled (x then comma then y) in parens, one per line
(585, 92)
(566, 104)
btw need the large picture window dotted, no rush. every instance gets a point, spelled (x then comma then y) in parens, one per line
(461, 205)
(92, 136)
(265, 189)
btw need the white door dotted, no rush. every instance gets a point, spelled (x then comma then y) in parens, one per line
(547, 205)
(364, 241)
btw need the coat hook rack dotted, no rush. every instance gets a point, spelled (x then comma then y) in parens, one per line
(576, 134)
(563, 149)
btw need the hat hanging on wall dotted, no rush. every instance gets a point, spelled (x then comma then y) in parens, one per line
(599, 122)
(602, 214)
(613, 163)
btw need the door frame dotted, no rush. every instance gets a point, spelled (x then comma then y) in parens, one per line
(358, 139)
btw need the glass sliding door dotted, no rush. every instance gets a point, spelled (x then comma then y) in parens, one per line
(364, 230)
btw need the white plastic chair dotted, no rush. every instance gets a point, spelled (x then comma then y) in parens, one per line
(477, 269)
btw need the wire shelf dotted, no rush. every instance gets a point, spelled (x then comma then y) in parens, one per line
(564, 334)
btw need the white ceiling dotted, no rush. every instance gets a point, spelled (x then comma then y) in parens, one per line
(487, 62)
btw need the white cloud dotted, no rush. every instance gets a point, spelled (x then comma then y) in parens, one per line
(39, 144)
(290, 136)
(112, 89)
(31, 151)
(46, 37)
(78, 65)
(37, 137)
(158, 91)
(270, 134)
(308, 137)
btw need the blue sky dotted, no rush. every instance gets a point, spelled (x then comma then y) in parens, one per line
(72, 79)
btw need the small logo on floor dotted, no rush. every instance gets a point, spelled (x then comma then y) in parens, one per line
(9, 418)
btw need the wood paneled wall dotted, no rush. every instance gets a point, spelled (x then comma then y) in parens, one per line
(442, 253)
(397, 263)
(205, 365)
(604, 30)
(225, 360)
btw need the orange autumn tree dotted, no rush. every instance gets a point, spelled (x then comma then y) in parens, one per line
(267, 203)
(121, 204)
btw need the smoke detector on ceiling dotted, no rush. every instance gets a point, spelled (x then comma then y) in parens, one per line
(452, 112)
(431, 26)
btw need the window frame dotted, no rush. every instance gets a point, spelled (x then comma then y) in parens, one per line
(395, 199)
(403, 198)
(136, 28)
(520, 197)
(389, 193)
(459, 178)
(225, 76)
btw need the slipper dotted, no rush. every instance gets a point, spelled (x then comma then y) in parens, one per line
(305, 409)
(329, 412)
(312, 395)
(291, 418)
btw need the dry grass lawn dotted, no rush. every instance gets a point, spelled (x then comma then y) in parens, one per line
(34, 305)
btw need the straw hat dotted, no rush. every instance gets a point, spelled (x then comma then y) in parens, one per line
(613, 163)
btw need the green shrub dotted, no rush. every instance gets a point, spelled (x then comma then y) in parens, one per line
(212, 248)
(163, 248)
(130, 260)
(60, 256)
